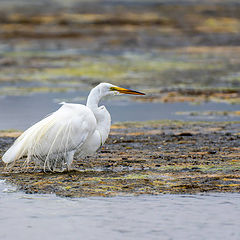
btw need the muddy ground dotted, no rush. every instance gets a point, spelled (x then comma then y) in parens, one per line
(174, 51)
(144, 158)
(57, 45)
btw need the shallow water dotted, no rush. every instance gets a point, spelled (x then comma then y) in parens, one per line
(20, 112)
(128, 54)
(206, 216)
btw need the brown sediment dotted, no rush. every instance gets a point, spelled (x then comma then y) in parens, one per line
(193, 95)
(145, 158)
(46, 20)
(148, 44)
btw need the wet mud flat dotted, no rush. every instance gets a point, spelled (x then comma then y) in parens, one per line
(57, 46)
(144, 158)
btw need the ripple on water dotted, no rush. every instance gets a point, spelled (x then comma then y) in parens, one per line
(37, 106)
(201, 216)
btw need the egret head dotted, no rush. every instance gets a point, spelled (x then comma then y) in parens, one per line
(110, 89)
(106, 89)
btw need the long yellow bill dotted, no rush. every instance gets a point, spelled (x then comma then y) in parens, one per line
(126, 91)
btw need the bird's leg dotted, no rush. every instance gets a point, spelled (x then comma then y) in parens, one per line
(69, 159)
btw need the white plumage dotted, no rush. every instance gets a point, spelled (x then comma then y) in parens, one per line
(53, 141)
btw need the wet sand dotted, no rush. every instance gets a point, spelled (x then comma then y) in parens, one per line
(145, 158)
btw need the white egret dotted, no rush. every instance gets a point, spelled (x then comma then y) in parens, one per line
(53, 141)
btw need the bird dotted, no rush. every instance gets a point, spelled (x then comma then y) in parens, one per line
(52, 142)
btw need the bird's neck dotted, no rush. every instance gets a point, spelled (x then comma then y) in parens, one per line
(103, 121)
(94, 98)
(103, 126)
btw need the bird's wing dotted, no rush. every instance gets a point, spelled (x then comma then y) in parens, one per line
(63, 131)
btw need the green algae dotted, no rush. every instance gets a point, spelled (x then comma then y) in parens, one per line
(20, 91)
(161, 123)
(199, 157)
(211, 113)
(95, 71)
(171, 69)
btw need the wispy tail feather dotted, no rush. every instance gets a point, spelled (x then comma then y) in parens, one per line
(26, 143)
(15, 152)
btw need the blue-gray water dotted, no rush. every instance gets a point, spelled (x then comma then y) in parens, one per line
(20, 112)
(162, 217)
